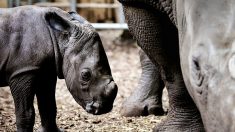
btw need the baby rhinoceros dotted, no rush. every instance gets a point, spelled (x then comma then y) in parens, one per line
(37, 45)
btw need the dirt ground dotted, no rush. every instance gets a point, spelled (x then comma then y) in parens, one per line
(125, 66)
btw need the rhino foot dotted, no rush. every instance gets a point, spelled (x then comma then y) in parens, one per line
(181, 121)
(147, 97)
(133, 109)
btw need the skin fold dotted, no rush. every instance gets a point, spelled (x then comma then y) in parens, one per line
(207, 54)
(38, 45)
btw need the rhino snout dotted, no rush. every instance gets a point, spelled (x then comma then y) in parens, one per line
(104, 102)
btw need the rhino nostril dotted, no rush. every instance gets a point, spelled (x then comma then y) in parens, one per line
(92, 107)
(89, 108)
(96, 105)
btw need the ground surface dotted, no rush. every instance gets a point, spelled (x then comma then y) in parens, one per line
(125, 66)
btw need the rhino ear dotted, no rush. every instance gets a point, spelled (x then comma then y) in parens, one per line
(56, 22)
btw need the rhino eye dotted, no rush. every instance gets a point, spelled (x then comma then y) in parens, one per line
(86, 75)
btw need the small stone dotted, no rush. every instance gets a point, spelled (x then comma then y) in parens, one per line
(96, 121)
(129, 120)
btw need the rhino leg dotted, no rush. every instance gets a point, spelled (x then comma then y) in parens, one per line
(158, 37)
(46, 103)
(146, 98)
(23, 95)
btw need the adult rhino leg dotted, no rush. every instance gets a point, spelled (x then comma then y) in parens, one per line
(158, 37)
(147, 97)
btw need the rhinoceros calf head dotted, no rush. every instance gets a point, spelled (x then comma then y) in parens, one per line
(85, 65)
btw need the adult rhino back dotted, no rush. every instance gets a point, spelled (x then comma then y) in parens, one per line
(37, 45)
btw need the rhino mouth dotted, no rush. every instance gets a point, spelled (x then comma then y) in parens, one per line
(93, 107)
(96, 108)
(105, 103)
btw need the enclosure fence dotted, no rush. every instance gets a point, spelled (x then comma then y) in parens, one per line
(74, 5)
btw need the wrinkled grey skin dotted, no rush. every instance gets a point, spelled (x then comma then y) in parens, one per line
(39, 44)
(207, 32)
(147, 97)
(196, 36)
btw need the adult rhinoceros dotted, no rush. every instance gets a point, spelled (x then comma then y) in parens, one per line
(39, 44)
(192, 44)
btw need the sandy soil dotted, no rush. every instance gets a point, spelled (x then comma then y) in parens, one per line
(125, 66)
